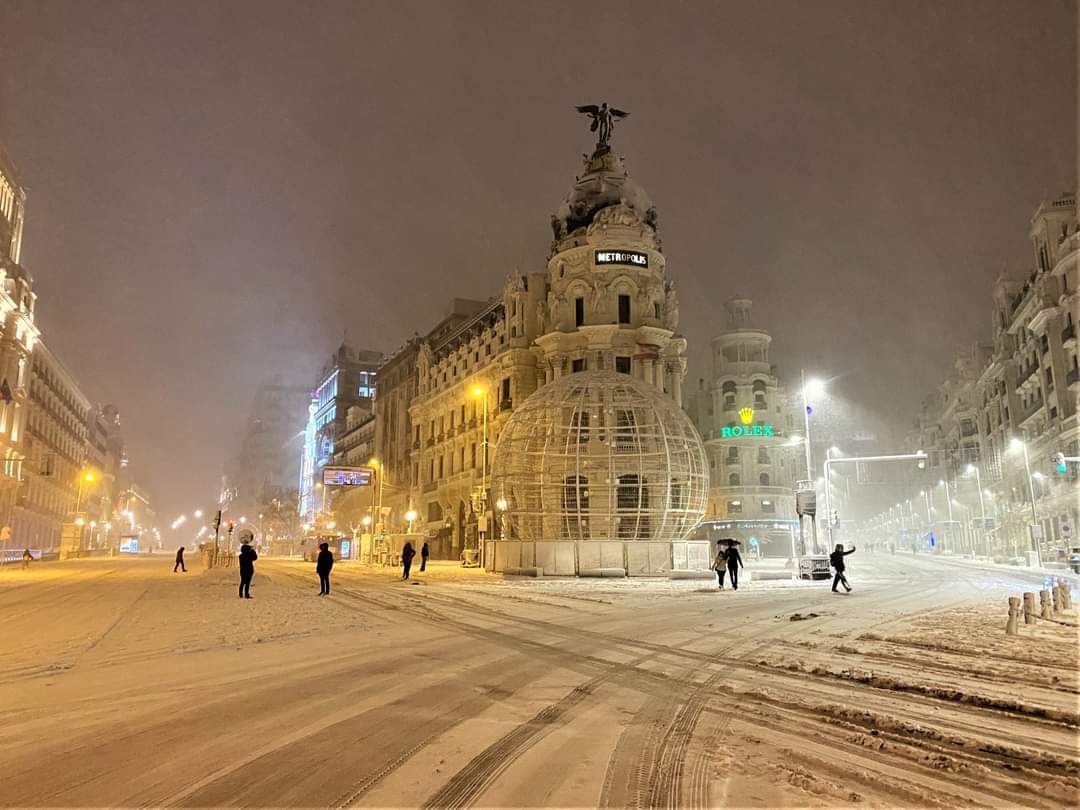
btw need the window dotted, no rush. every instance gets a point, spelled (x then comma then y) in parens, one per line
(728, 392)
(576, 507)
(434, 511)
(656, 310)
(733, 480)
(632, 495)
(472, 452)
(622, 365)
(763, 479)
(763, 455)
(440, 466)
(577, 364)
(625, 435)
(579, 423)
(506, 389)
(624, 309)
(579, 311)
(768, 506)
(732, 455)
(734, 507)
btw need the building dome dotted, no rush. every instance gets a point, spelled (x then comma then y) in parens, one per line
(605, 183)
(599, 456)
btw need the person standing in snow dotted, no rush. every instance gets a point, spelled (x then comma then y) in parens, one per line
(27, 558)
(424, 552)
(407, 554)
(179, 561)
(720, 563)
(836, 559)
(247, 569)
(323, 563)
(734, 563)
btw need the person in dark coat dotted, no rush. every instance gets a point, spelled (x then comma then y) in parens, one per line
(734, 563)
(179, 561)
(424, 552)
(323, 563)
(247, 568)
(407, 554)
(720, 563)
(27, 558)
(836, 559)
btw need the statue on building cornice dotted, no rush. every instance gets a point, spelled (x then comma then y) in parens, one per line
(671, 307)
(603, 122)
(599, 294)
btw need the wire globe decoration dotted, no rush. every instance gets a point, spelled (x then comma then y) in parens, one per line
(599, 456)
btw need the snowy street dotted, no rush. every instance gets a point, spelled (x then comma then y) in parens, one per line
(122, 684)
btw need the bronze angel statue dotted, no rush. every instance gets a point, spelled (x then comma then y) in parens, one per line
(603, 119)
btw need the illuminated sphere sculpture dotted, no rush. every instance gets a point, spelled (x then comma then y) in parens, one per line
(598, 470)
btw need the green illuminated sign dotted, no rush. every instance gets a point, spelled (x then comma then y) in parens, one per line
(735, 431)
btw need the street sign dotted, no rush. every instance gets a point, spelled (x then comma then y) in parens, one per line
(1036, 531)
(806, 502)
(1066, 530)
(986, 524)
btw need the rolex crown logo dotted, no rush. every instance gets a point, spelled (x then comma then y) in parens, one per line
(746, 415)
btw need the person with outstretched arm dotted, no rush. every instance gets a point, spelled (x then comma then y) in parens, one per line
(323, 563)
(836, 559)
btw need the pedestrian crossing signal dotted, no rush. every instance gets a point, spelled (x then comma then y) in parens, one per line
(1059, 463)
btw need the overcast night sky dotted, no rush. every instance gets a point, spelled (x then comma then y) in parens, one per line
(217, 190)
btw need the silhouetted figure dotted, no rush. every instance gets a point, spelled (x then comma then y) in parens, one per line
(323, 563)
(720, 563)
(836, 559)
(179, 560)
(734, 563)
(424, 552)
(247, 569)
(27, 558)
(407, 554)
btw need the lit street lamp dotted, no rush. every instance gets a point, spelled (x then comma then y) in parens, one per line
(1016, 444)
(810, 388)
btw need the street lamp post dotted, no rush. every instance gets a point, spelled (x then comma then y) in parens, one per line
(87, 478)
(971, 468)
(814, 386)
(1017, 444)
(948, 502)
(482, 393)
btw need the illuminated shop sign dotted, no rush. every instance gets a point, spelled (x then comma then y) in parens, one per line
(347, 476)
(631, 257)
(746, 416)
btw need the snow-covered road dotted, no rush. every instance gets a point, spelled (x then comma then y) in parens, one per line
(122, 684)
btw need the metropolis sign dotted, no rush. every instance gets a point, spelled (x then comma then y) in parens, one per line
(632, 257)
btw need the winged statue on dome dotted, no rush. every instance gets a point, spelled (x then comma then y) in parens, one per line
(603, 121)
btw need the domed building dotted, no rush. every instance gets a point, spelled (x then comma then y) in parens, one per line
(602, 303)
(599, 473)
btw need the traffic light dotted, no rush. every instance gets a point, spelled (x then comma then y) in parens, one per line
(921, 461)
(834, 518)
(1059, 463)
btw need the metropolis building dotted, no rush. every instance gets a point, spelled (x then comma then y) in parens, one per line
(603, 303)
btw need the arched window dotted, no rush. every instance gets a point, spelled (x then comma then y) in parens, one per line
(728, 391)
(576, 507)
(733, 480)
(632, 499)
(763, 479)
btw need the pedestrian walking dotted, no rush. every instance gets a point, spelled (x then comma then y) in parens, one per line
(179, 561)
(247, 568)
(424, 552)
(734, 563)
(27, 558)
(323, 564)
(836, 559)
(407, 554)
(720, 563)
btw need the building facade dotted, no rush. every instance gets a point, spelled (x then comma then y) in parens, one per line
(18, 335)
(348, 379)
(747, 420)
(604, 302)
(267, 462)
(1021, 392)
(56, 446)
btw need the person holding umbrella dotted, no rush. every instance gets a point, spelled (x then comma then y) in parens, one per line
(734, 562)
(720, 563)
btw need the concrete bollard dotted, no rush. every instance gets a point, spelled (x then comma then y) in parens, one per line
(1029, 608)
(1044, 605)
(1066, 595)
(1014, 614)
(1055, 592)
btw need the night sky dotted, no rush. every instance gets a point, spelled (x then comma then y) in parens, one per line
(218, 190)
